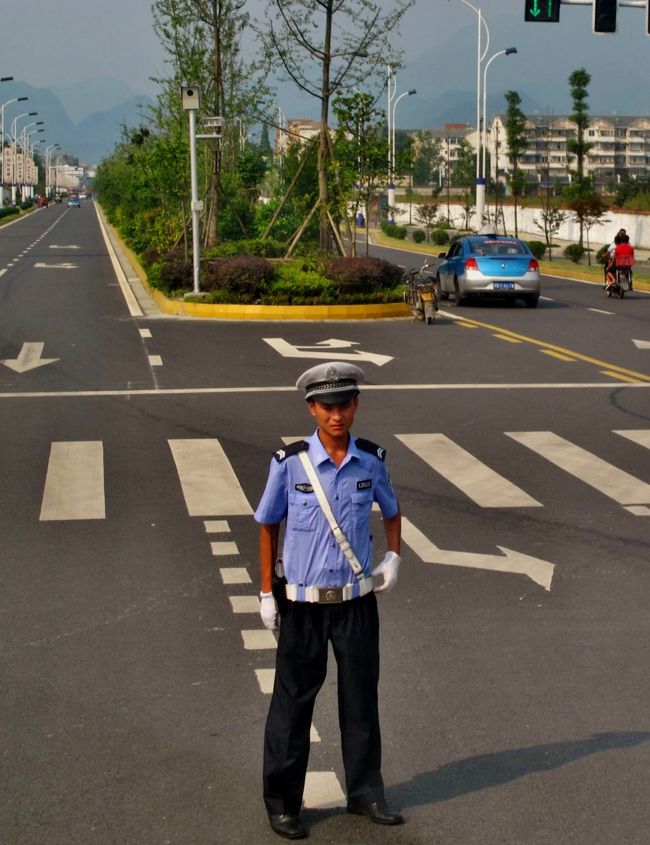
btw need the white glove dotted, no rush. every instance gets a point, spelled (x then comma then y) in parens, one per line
(269, 611)
(389, 567)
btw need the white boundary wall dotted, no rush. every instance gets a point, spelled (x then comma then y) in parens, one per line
(636, 225)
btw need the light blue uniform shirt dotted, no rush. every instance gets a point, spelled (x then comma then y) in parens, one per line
(311, 556)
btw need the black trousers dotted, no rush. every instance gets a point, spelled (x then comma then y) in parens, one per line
(301, 666)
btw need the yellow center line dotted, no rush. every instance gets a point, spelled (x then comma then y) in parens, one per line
(612, 369)
(509, 339)
(559, 355)
(466, 325)
(620, 377)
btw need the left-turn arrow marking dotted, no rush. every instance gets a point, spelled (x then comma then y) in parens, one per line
(29, 358)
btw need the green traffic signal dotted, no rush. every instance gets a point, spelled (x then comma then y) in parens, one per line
(542, 11)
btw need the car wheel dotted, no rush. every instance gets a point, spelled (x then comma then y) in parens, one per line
(531, 301)
(459, 299)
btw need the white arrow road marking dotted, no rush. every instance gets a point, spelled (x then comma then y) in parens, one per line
(66, 246)
(29, 358)
(288, 351)
(67, 266)
(539, 571)
(642, 344)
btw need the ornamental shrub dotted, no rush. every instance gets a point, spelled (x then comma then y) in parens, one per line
(538, 248)
(574, 252)
(267, 248)
(362, 274)
(175, 273)
(244, 277)
(439, 236)
(419, 235)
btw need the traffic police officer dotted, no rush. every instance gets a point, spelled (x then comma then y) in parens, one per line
(326, 600)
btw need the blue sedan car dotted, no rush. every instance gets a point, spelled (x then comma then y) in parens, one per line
(74, 202)
(489, 266)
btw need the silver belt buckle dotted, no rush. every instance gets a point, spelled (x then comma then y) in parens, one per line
(330, 595)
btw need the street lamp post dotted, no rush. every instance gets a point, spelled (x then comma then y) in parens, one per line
(392, 141)
(507, 52)
(14, 151)
(2, 143)
(48, 183)
(480, 55)
(25, 149)
(391, 86)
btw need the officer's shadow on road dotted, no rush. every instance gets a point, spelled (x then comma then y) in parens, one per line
(488, 770)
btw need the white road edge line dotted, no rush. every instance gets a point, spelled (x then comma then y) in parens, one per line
(131, 301)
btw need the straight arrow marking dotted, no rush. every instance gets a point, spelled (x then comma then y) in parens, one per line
(29, 358)
(66, 266)
(539, 571)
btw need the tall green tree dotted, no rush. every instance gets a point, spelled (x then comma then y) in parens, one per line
(360, 155)
(580, 193)
(517, 143)
(330, 47)
(203, 39)
(463, 175)
(428, 158)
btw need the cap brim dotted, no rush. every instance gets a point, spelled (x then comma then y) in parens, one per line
(334, 397)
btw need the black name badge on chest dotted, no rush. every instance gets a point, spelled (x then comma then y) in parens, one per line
(364, 485)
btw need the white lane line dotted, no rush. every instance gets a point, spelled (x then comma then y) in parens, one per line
(600, 311)
(216, 391)
(131, 301)
(145, 332)
(245, 604)
(483, 485)
(155, 361)
(222, 548)
(323, 791)
(258, 639)
(235, 575)
(592, 470)
(74, 485)
(2, 272)
(208, 480)
(216, 526)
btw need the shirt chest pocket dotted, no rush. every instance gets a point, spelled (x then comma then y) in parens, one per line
(304, 512)
(361, 504)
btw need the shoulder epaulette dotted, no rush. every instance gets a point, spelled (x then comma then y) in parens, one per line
(291, 449)
(373, 448)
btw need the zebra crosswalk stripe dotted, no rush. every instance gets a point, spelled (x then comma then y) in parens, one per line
(74, 484)
(592, 470)
(476, 480)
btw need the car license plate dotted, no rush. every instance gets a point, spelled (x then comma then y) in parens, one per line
(426, 295)
(504, 285)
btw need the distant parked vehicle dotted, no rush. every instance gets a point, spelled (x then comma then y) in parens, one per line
(489, 266)
(74, 202)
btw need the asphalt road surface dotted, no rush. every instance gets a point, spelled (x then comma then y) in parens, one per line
(135, 669)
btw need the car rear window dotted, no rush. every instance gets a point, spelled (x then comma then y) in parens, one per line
(498, 248)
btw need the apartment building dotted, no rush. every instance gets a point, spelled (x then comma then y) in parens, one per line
(620, 149)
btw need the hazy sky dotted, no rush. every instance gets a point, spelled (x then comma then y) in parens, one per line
(56, 43)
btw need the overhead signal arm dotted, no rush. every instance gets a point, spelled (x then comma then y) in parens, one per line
(604, 12)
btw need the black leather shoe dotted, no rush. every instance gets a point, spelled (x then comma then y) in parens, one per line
(377, 812)
(288, 825)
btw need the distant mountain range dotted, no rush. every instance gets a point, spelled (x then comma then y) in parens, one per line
(86, 120)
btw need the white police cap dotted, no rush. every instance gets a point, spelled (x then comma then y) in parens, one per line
(331, 383)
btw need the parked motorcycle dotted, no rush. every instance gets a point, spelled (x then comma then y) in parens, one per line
(422, 292)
